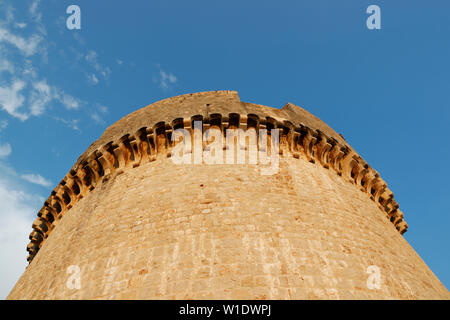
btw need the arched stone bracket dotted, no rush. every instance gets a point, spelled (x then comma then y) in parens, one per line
(148, 143)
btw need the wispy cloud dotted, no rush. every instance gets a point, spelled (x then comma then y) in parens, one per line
(17, 211)
(16, 217)
(5, 150)
(77, 36)
(20, 25)
(68, 101)
(3, 124)
(11, 100)
(26, 94)
(92, 58)
(99, 113)
(27, 47)
(165, 79)
(36, 179)
(34, 9)
(70, 123)
(40, 97)
(7, 66)
(28, 70)
(92, 78)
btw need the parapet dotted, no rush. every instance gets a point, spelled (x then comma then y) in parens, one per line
(145, 135)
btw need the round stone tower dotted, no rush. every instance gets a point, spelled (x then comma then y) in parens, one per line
(138, 217)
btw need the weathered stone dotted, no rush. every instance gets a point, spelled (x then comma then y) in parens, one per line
(140, 226)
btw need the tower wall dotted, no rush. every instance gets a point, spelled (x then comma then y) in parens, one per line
(143, 227)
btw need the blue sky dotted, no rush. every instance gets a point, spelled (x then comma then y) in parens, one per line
(387, 91)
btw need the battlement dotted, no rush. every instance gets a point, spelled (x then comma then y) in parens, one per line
(146, 135)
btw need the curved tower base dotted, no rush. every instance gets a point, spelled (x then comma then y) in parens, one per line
(147, 228)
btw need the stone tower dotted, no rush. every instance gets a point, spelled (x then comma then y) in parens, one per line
(129, 222)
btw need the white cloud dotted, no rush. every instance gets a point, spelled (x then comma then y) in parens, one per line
(27, 95)
(43, 94)
(97, 118)
(3, 124)
(20, 25)
(5, 150)
(17, 211)
(102, 109)
(92, 58)
(68, 101)
(7, 66)
(99, 113)
(71, 123)
(105, 72)
(165, 79)
(40, 96)
(92, 78)
(28, 70)
(11, 100)
(27, 47)
(36, 179)
(9, 13)
(34, 10)
(15, 226)
(76, 35)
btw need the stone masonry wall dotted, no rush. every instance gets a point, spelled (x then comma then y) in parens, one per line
(139, 226)
(225, 232)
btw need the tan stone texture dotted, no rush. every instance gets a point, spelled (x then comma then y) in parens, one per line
(141, 227)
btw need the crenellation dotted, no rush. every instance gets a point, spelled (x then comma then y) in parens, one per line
(47, 214)
(42, 226)
(137, 153)
(142, 145)
(151, 143)
(335, 155)
(122, 153)
(107, 159)
(35, 236)
(326, 151)
(347, 163)
(56, 204)
(291, 138)
(86, 175)
(370, 182)
(83, 175)
(69, 195)
(321, 148)
(361, 179)
(378, 188)
(215, 121)
(233, 121)
(307, 141)
(76, 184)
